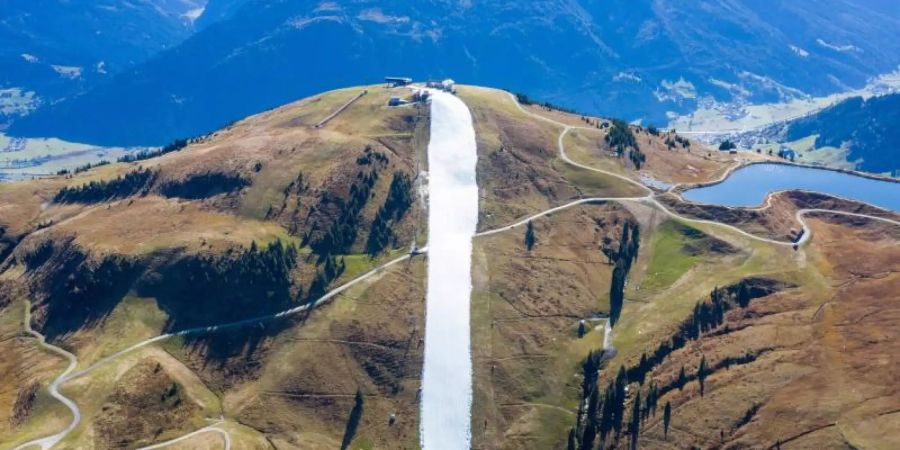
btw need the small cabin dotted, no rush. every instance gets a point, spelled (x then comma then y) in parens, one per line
(395, 101)
(448, 85)
(398, 81)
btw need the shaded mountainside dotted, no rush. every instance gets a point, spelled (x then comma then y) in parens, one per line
(869, 128)
(58, 48)
(635, 61)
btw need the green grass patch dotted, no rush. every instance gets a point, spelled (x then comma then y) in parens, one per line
(668, 260)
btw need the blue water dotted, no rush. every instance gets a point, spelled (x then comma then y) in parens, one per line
(749, 185)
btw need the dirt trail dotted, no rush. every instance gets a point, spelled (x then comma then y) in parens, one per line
(226, 439)
(49, 441)
(650, 199)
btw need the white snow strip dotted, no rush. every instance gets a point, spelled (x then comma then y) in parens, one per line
(452, 217)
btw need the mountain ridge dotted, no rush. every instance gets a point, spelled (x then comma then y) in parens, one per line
(641, 62)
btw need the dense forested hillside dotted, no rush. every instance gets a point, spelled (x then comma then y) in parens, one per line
(626, 59)
(868, 127)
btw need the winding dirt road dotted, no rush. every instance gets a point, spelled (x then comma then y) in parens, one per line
(49, 441)
(226, 439)
(650, 199)
(67, 375)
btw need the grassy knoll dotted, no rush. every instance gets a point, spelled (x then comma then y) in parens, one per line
(675, 248)
(669, 261)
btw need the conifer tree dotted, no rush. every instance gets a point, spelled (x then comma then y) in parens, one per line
(667, 419)
(529, 236)
(702, 372)
(635, 428)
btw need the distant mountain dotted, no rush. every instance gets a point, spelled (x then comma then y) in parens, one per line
(635, 60)
(57, 48)
(218, 10)
(869, 128)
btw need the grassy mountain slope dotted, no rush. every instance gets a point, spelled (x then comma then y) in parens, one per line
(172, 242)
(867, 128)
(123, 252)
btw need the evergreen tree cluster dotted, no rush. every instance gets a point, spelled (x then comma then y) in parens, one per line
(705, 369)
(371, 156)
(203, 185)
(602, 414)
(620, 137)
(98, 191)
(343, 230)
(629, 244)
(397, 203)
(250, 279)
(78, 290)
(295, 188)
(637, 157)
(523, 99)
(707, 315)
(727, 145)
(342, 233)
(83, 168)
(673, 139)
(173, 146)
(330, 269)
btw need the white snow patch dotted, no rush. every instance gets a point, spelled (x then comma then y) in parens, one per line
(784, 91)
(377, 16)
(735, 89)
(452, 217)
(327, 6)
(675, 90)
(71, 72)
(16, 101)
(837, 47)
(30, 58)
(194, 14)
(303, 22)
(101, 67)
(626, 76)
(799, 51)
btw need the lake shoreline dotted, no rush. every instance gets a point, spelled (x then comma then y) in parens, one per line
(803, 179)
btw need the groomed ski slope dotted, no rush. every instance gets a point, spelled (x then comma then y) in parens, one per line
(452, 217)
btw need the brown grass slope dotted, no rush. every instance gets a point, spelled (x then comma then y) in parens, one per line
(106, 274)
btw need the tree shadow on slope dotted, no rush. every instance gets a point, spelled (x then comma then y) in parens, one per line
(74, 290)
(206, 290)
